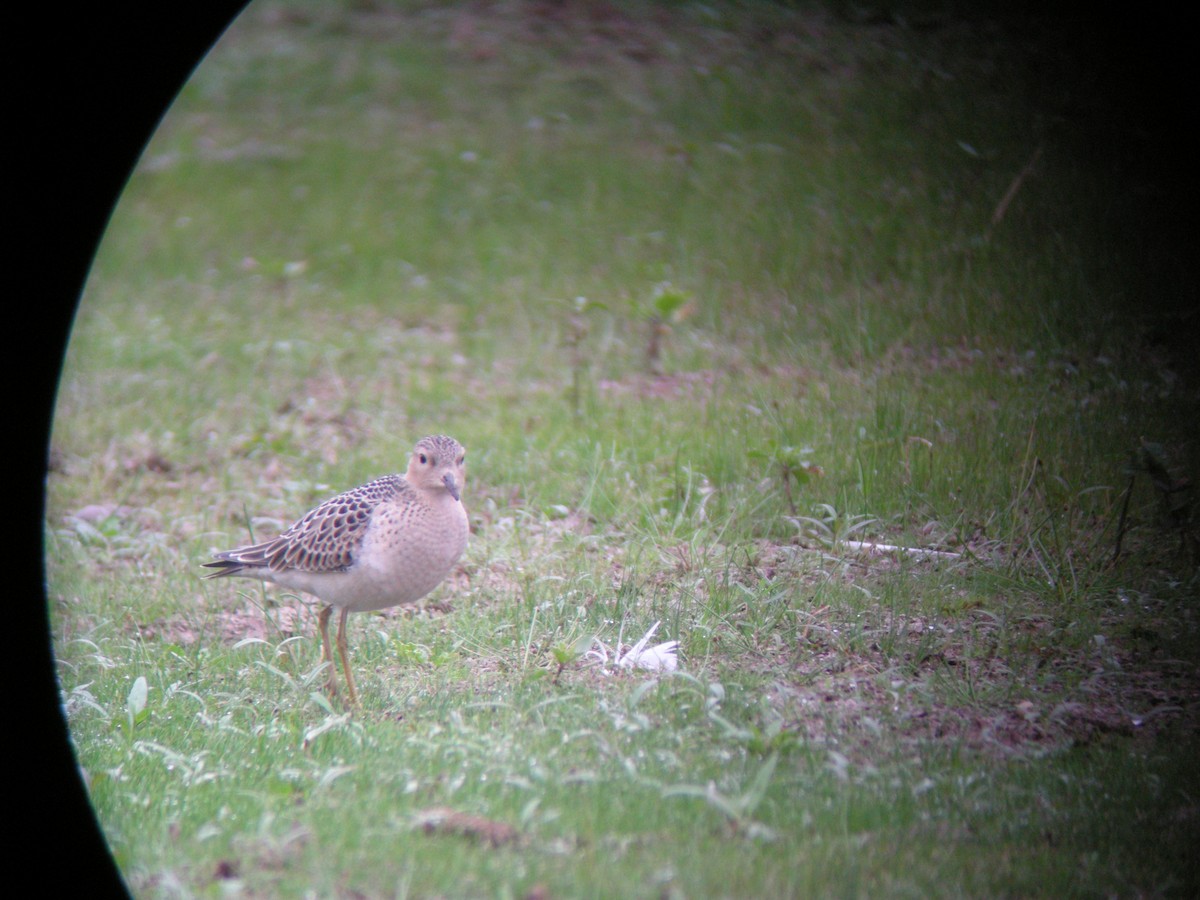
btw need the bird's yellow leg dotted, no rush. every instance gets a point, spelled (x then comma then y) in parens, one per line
(326, 650)
(342, 650)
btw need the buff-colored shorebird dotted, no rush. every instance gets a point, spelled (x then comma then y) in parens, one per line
(387, 543)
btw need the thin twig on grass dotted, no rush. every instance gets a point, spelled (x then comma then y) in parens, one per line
(1002, 206)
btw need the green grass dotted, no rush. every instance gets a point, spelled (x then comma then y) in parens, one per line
(362, 224)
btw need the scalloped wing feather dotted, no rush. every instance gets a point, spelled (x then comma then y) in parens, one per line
(324, 540)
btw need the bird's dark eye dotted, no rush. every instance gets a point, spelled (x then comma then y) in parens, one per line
(423, 458)
(461, 460)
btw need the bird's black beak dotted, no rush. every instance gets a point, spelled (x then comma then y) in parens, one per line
(451, 485)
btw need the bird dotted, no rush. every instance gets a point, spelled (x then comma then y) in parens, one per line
(386, 543)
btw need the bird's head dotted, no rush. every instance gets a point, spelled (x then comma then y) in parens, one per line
(438, 463)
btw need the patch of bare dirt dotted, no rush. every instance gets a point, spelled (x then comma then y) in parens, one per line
(847, 701)
(444, 820)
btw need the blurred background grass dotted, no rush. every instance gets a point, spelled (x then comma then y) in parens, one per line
(363, 222)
